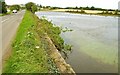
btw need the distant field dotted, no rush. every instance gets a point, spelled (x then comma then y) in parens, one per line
(87, 11)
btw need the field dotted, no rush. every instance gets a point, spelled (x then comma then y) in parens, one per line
(89, 12)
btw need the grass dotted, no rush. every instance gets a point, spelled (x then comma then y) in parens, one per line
(1, 14)
(54, 32)
(5, 14)
(29, 53)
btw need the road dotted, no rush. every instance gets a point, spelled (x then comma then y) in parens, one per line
(8, 28)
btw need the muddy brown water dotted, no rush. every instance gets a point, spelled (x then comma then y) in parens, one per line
(94, 40)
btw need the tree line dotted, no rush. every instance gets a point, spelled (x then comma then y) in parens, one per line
(91, 8)
(4, 6)
(29, 6)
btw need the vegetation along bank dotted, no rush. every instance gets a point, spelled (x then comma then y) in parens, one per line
(31, 50)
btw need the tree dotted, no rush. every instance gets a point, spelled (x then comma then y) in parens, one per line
(31, 7)
(87, 8)
(107, 12)
(76, 7)
(0, 7)
(15, 7)
(116, 12)
(81, 7)
(82, 11)
(92, 8)
(4, 9)
(40, 6)
(34, 8)
(103, 12)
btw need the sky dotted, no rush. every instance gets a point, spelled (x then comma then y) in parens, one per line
(107, 4)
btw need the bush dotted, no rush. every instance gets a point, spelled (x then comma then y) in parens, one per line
(31, 7)
(15, 7)
(34, 8)
(4, 9)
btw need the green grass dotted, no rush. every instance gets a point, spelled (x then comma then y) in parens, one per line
(54, 32)
(29, 53)
(5, 14)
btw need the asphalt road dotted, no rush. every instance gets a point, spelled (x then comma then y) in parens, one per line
(8, 28)
(10, 24)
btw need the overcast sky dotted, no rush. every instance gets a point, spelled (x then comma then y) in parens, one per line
(109, 4)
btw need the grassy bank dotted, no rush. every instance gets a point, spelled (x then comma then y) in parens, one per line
(29, 53)
(6, 14)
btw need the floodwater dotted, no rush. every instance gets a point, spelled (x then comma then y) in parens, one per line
(94, 40)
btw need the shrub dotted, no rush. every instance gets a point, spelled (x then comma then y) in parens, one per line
(31, 7)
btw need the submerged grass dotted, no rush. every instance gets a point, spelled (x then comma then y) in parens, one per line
(29, 49)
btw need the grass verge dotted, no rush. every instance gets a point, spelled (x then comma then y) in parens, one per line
(29, 49)
(5, 14)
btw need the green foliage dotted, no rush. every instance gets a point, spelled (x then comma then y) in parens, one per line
(31, 7)
(54, 33)
(0, 7)
(15, 7)
(92, 8)
(29, 54)
(34, 8)
(106, 12)
(4, 9)
(82, 11)
(66, 29)
(116, 12)
(67, 48)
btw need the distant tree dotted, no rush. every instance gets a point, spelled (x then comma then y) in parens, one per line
(15, 7)
(82, 11)
(0, 7)
(110, 13)
(116, 12)
(76, 7)
(92, 8)
(4, 9)
(103, 12)
(34, 8)
(40, 6)
(87, 8)
(22, 8)
(106, 12)
(31, 7)
(80, 7)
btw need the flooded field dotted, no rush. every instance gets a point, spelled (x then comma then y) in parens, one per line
(94, 40)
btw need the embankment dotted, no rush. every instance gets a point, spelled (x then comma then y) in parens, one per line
(36, 48)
